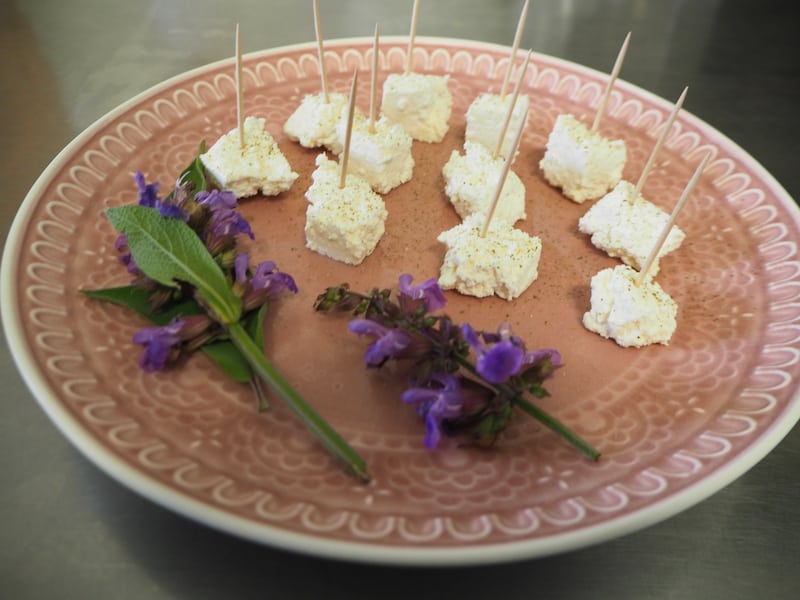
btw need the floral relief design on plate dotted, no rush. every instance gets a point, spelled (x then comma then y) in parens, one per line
(668, 419)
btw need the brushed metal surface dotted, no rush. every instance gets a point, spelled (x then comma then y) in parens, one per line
(69, 531)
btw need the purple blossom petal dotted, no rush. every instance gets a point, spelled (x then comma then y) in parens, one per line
(158, 344)
(472, 337)
(389, 342)
(168, 210)
(240, 265)
(427, 291)
(225, 220)
(267, 277)
(217, 199)
(537, 355)
(148, 197)
(500, 361)
(148, 192)
(436, 404)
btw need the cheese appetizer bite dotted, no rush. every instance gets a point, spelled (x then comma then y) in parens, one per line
(503, 263)
(582, 163)
(257, 166)
(383, 156)
(314, 122)
(342, 223)
(629, 312)
(627, 227)
(471, 178)
(485, 117)
(421, 104)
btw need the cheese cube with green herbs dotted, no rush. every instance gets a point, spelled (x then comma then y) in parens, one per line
(382, 157)
(628, 228)
(485, 118)
(581, 162)
(630, 313)
(344, 224)
(503, 263)
(258, 166)
(313, 123)
(471, 182)
(420, 103)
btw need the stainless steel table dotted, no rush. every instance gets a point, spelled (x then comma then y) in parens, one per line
(69, 531)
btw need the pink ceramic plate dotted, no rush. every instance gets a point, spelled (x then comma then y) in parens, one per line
(675, 423)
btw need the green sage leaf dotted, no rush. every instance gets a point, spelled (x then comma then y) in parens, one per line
(254, 325)
(223, 353)
(136, 299)
(228, 358)
(168, 251)
(195, 173)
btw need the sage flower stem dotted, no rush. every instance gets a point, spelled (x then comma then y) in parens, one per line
(550, 421)
(318, 426)
(540, 415)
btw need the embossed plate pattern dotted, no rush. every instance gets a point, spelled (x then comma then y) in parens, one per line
(674, 423)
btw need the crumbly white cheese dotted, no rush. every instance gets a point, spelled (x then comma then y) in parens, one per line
(258, 166)
(583, 163)
(485, 118)
(630, 314)
(313, 123)
(421, 104)
(628, 228)
(504, 263)
(344, 224)
(471, 182)
(383, 157)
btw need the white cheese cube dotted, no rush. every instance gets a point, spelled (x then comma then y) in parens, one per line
(584, 164)
(504, 263)
(384, 157)
(628, 228)
(313, 123)
(471, 181)
(258, 166)
(630, 314)
(344, 224)
(485, 118)
(420, 104)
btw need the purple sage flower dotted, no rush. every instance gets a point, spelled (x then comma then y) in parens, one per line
(159, 343)
(536, 355)
(148, 192)
(126, 258)
(148, 196)
(240, 265)
(389, 342)
(225, 219)
(268, 278)
(436, 404)
(266, 283)
(497, 362)
(428, 291)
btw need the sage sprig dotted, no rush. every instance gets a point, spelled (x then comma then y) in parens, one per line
(461, 381)
(200, 293)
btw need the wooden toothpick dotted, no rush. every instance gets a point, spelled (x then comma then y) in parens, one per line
(373, 84)
(321, 53)
(614, 74)
(349, 132)
(661, 139)
(510, 112)
(503, 176)
(239, 112)
(523, 17)
(412, 34)
(668, 227)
